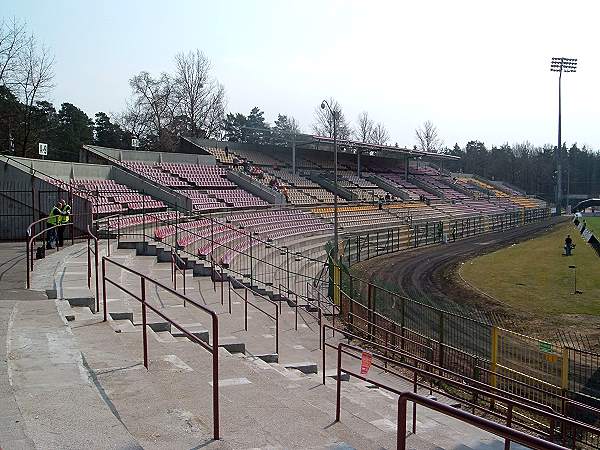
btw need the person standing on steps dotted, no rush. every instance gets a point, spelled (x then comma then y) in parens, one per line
(65, 217)
(53, 220)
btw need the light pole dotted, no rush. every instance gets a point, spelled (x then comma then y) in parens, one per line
(325, 104)
(560, 65)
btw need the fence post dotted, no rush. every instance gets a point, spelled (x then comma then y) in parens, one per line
(441, 333)
(494, 359)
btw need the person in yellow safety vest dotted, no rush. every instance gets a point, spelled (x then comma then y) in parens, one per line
(53, 219)
(65, 216)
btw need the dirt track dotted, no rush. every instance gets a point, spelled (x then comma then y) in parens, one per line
(430, 274)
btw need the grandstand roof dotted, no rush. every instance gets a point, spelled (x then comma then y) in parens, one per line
(348, 146)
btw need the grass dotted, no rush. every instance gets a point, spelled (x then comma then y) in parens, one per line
(593, 223)
(534, 276)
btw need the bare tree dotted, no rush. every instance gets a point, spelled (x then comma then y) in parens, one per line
(323, 125)
(379, 134)
(364, 128)
(201, 99)
(134, 121)
(154, 98)
(13, 40)
(428, 139)
(33, 79)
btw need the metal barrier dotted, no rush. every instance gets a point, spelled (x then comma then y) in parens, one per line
(364, 320)
(509, 434)
(212, 349)
(510, 411)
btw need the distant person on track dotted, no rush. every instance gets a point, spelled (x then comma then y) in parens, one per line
(568, 245)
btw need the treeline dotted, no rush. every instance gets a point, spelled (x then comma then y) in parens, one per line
(531, 168)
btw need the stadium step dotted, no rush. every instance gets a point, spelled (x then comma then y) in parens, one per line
(259, 388)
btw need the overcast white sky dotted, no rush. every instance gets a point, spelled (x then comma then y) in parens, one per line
(477, 69)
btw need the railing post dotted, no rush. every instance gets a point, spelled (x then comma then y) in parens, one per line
(296, 308)
(28, 270)
(509, 414)
(221, 277)
(246, 309)
(229, 291)
(89, 264)
(414, 412)
(145, 337)
(401, 434)
(338, 401)
(215, 375)
(104, 288)
(320, 326)
(276, 331)
(251, 259)
(322, 348)
(96, 274)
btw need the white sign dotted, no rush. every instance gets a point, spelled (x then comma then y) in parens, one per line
(135, 143)
(43, 149)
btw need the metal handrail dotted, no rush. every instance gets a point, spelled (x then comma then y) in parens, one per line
(213, 349)
(484, 392)
(509, 434)
(247, 302)
(89, 263)
(174, 269)
(29, 248)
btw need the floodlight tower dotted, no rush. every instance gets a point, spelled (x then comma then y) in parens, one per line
(334, 118)
(560, 65)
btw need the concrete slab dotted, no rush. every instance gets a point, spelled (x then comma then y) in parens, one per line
(304, 367)
(232, 344)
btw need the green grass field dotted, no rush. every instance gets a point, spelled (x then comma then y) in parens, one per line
(593, 223)
(534, 276)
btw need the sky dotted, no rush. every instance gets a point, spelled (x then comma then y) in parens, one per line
(479, 70)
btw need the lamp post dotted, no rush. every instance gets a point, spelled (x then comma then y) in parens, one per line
(334, 118)
(560, 65)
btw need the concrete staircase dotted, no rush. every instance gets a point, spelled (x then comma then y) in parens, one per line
(267, 399)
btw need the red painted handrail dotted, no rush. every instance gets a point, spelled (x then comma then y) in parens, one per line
(89, 261)
(213, 349)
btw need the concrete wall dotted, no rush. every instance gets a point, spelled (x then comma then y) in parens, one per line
(95, 153)
(388, 186)
(256, 188)
(25, 197)
(63, 170)
(169, 196)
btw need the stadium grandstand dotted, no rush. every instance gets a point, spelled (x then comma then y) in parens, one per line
(206, 306)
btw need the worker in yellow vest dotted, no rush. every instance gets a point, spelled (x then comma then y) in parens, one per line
(54, 218)
(65, 216)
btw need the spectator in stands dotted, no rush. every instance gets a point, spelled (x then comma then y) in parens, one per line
(568, 245)
(454, 233)
(226, 151)
(387, 198)
(380, 203)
